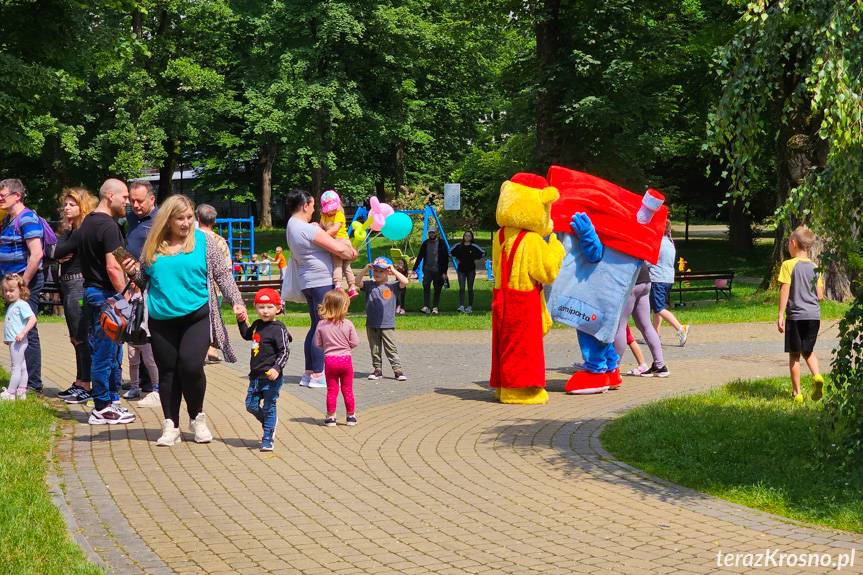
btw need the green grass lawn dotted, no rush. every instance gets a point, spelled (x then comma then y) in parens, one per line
(33, 537)
(745, 305)
(746, 442)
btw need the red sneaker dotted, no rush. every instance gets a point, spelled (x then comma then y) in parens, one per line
(586, 383)
(614, 379)
(352, 293)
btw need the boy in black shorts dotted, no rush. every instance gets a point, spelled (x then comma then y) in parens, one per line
(799, 313)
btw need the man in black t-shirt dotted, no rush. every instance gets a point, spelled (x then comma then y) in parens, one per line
(103, 278)
(434, 258)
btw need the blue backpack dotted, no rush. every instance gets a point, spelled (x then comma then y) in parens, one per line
(49, 238)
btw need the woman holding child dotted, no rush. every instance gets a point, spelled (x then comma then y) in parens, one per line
(314, 249)
(179, 269)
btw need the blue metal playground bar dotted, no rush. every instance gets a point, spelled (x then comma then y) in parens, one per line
(239, 233)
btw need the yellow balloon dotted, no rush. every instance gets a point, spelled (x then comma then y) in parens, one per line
(360, 232)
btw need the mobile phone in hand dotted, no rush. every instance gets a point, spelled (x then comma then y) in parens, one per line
(121, 254)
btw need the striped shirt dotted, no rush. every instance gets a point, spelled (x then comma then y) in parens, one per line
(13, 245)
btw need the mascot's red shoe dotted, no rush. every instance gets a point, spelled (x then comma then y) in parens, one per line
(586, 383)
(614, 379)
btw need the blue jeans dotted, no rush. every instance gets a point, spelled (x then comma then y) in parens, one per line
(314, 355)
(266, 391)
(104, 352)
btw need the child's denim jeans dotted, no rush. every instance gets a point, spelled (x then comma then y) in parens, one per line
(266, 391)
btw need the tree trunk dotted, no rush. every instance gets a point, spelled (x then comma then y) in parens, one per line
(318, 176)
(794, 124)
(137, 23)
(740, 229)
(166, 171)
(400, 167)
(776, 256)
(319, 168)
(381, 190)
(547, 29)
(837, 283)
(268, 158)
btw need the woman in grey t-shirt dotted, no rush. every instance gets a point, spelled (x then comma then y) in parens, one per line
(313, 248)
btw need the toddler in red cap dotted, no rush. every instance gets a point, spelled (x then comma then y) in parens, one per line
(270, 351)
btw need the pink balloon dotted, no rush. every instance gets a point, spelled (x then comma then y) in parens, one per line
(379, 212)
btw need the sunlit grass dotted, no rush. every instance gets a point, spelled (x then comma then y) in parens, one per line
(33, 536)
(746, 442)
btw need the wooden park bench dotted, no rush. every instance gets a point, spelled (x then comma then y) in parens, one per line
(48, 304)
(248, 288)
(720, 283)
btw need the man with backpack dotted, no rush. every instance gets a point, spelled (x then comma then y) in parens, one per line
(22, 235)
(103, 278)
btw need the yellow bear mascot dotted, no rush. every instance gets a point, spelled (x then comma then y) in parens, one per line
(523, 261)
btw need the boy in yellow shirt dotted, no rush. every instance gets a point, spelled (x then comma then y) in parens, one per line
(799, 313)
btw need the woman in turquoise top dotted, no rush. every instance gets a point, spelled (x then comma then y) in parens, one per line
(179, 269)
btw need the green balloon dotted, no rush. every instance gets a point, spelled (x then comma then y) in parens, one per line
(397, 226)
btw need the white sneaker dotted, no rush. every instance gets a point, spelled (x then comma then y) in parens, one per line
(460, 309)
(22, 394)
(152, 400)
(7, 395)
(304, 381)
(682, 334)
(111, 415)
(434, 311)
(198, 426)
(170, 434)
(318, 382)
(468, 309)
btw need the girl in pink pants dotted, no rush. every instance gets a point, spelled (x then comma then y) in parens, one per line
(337, 336)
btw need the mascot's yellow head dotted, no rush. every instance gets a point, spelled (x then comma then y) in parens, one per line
(525, 203)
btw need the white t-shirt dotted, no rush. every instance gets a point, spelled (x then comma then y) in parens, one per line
(314, 263)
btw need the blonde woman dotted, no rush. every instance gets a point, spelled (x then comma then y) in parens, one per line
(179, 269)
(77, 203)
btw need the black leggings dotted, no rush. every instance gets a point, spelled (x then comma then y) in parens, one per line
(466, 278)
(180, 347)
(72, 293)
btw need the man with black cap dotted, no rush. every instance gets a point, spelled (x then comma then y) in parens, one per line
(435, 261)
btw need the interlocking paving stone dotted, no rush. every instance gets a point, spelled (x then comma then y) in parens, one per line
(437, 477)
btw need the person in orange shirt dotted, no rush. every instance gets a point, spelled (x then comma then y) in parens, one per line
(281, 261)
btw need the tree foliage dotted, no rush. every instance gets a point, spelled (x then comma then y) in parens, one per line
(792, 82)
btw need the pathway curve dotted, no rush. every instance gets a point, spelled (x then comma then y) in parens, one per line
(436, 478)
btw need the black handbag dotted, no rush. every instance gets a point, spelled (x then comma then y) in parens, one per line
(135, 333)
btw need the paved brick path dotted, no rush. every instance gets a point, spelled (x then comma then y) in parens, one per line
(434, 479)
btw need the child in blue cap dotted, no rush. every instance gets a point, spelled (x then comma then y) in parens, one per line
(381, 314)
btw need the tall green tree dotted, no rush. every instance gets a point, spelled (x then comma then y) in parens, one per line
(792, 83)
(49, 52)
(780, 104)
